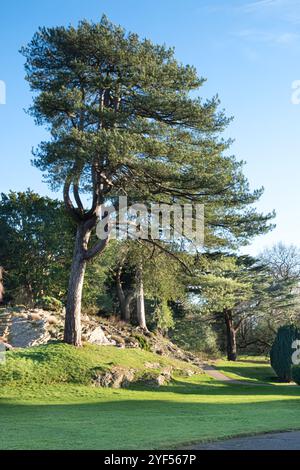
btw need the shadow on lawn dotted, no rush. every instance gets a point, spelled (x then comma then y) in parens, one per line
(255, 361)
(221, 388)
(33, 356)
(131, 424)
(250, 373)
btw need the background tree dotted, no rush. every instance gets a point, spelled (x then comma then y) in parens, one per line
(36, 238)
(283, 261)
(221, 291)
(240, 290)
(192, 329)
(283, 264)
(162, 278)
(120, 282)
(123, 122)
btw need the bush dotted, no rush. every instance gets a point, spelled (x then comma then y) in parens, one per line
(143, 343)
(50, 303)
(163, 317)
(194, 335)
(281, 352)
(296, 374)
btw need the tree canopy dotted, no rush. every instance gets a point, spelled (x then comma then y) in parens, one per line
(124, 119)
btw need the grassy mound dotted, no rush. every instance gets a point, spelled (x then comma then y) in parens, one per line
(60, 363)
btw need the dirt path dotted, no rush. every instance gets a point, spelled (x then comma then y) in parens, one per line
(215, 374)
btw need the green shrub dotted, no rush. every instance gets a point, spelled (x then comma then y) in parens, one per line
(281, 352)
(50, 303)
(296, 374)
(143, 343)
(163, 317)
(194, 335)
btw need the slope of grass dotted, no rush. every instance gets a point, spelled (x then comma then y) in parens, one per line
(48, 414)
(61, 363)
(250, 369)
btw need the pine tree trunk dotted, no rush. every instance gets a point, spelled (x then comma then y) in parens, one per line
(127, 307)
(124, 302)
(141, 317)
(230, 336)
(124, 297)
(72, 334)
(121, 296)
(1, 284)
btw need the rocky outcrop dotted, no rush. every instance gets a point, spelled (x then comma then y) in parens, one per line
(97, 336)
(121, 377)
(22, 328)
(117, 377)
(157, 378)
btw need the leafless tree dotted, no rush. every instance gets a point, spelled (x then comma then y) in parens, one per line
(284, 261)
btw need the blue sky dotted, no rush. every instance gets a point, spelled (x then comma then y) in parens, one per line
(249, 51)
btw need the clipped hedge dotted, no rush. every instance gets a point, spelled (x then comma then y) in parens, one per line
(281, 352)
(296, 374)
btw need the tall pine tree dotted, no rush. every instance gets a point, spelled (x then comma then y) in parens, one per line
(123, 122)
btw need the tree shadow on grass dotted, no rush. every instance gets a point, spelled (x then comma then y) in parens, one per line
(138, 424)
(250, 373)
(33, 356)
(255, 361)
(220, 388)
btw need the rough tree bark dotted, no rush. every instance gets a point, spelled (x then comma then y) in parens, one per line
(72, 333)
(86, 222)
(123, 298)
(127, 307)
(120, 293)
(140, 304)
(81, 255)
(230, 336)
(1, 284)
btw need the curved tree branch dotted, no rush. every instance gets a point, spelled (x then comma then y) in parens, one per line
(96, 249)
(67, 200)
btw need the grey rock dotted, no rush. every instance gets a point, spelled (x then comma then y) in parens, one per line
(97, 336)
(6, 346)
(117, 377)
(152, 365)
(25, 333)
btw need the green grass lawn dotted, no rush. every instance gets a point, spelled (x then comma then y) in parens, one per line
(47, 414)
(248, 368)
